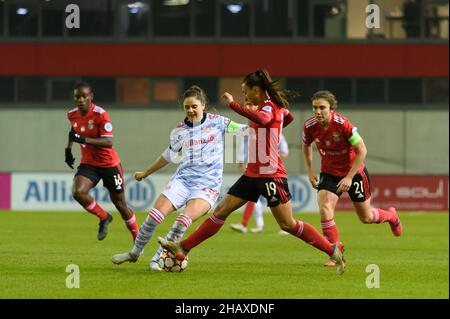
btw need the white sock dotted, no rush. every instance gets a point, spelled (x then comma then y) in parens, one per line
(177, 231)
(259, 215)
(154, 218)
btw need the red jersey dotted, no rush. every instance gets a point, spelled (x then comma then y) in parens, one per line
(95, 124)
(264, 143)
(336, 152)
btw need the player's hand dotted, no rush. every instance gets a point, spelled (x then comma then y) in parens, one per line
(227, 98)
(313, 179)
(75, 137)
(69, 157)
(344, 184)
(139, 176)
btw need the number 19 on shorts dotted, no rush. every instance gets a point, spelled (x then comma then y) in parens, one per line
(271, 188)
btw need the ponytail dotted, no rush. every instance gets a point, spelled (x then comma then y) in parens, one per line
(273, 89)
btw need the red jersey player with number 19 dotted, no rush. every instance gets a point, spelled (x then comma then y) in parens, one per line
(265, 174)
(342, 152)
(92, 129)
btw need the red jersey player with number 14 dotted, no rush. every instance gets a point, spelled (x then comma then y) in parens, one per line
(92, 129)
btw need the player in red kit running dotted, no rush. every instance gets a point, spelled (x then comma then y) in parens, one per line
(342, 153)
(265, 174)
(92, 129)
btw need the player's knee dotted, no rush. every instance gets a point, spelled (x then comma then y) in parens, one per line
(326, 211)
(221, 211)
(365, 219)
(78, 194)
(287, 227)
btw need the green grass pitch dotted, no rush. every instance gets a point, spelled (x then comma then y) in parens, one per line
(37, 247)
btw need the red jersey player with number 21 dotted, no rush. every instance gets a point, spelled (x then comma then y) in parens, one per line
(92, 129)
(342, 152)
(265, 174)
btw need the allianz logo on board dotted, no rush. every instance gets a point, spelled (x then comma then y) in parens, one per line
(139, 195)
(300, 189)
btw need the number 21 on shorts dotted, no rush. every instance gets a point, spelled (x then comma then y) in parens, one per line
(359, 187)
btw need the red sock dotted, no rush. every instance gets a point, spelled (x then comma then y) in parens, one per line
(330, 231)
(381, 216)
(95, 209)
(132, 226)
(206, 230)
(248, 212)
(310, 235)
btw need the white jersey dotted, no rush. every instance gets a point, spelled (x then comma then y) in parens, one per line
(243, 148)
(199, 150)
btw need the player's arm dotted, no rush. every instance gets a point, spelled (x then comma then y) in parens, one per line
(104, 141)
(360, 155)
(263, 117)
(308, 158)
(259, 117)
(99, 141)
(69, 159)
(288, 117)
(170, 155)
(159, 163)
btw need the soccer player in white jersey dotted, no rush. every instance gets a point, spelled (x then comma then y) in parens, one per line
(257, 207)
(197, 144)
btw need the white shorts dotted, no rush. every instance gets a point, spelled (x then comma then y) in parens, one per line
(178, 194)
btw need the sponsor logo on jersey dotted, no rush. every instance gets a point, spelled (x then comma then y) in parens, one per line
(192, 142)
(336, 137)
(267, 108)
(90, 124)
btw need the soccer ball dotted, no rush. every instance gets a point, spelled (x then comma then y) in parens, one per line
(168, 262)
